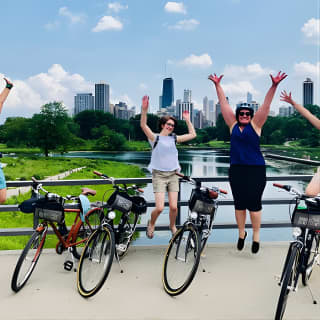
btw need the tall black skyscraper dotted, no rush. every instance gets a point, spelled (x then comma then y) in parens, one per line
(102, 97)
(307, 92)
(167, 92)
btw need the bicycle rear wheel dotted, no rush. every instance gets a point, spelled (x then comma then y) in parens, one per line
(311, 258)
(289, 276)
(28, 260)
(181, 260)
(92, 221)
(95, 261)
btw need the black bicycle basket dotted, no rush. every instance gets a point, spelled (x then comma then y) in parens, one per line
(307, 216)
(139, 205)
(50, 209)
(200, 202)
(29, 205)
(120, 201)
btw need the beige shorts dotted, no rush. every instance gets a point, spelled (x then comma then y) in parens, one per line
(164, 181)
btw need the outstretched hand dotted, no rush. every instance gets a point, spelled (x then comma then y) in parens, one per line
(215, 79)
(286, 97)
(186, 115)
(278, 78)
(9, 84)
(145, 103)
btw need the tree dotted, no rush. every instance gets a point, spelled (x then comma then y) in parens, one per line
(50, 128)
(223, 131)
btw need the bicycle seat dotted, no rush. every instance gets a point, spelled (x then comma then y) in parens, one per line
(88, 192)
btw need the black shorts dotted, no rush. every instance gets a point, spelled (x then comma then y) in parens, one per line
(247, 185)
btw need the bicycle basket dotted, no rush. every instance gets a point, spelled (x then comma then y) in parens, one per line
(139, 205)
(51, 210)
(120, 201)
(308, 217)
(29, 205)
(200, 202)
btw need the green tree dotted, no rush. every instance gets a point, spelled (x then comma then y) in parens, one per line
(223, 131)
(50, 128)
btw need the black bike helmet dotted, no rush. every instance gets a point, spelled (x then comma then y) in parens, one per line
(246, 106)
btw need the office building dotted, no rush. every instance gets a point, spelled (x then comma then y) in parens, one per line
(82, 102)
(212, 113)
(102, 97)
(187, 95)
(198, 119)
(167, 92)
(249, 97)
(206, 108)
(307, 92)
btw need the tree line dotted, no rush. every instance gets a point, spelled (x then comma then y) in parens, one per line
(54, 130)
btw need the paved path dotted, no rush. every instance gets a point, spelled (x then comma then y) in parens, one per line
(236, 285)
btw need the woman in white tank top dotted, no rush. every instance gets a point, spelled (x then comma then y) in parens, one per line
(164, 163)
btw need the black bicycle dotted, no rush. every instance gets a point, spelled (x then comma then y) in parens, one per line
(183, 254)
(110, 240)
(303, 252)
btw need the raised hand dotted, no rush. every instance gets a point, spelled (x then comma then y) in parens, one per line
(285, 97)
(186, 115)
(145, 103)
(215, 79)
(278, 78)
(9, 84)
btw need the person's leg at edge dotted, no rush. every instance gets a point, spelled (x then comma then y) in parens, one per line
(256, 223)
(173, 205)
(3, 195)
(241, 222)
(159, 199)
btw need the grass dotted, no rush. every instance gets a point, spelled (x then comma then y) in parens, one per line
(16, 219)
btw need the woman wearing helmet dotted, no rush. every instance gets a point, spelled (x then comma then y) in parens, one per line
(313, 188)
(247, 173)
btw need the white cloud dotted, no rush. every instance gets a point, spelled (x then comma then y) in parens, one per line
(27, 96)
(307, 69)
(175, 7)
(73, 17)
(143, 86)
(187, 25)
(202, 61)
(251, 71)
(239, 88)
(311, 30)
(108, 23)
(116, 6)
(123, 98)
(52, 25)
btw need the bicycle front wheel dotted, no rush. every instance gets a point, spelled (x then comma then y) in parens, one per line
(288, 280)
(311, 257)
(95, 261)
(28, 260)
(181, 260)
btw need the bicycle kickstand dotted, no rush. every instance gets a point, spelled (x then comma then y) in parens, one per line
(314, 301)
(69, 264)
(118, 259)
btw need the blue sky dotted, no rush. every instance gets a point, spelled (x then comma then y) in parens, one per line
(54, 49)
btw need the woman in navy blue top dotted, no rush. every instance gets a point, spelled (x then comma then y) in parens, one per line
(247, 173)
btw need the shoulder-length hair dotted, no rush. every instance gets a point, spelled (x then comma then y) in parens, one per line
(163, 120)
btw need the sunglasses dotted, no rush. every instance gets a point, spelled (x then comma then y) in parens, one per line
(241, 113)
(170, 124)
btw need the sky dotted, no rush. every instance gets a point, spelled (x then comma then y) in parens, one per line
(54, 49)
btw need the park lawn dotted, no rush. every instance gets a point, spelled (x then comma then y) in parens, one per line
(16, 219)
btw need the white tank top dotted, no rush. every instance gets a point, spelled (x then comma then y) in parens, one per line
(165, 155)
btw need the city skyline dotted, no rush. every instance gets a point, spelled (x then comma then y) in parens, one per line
(55, 50)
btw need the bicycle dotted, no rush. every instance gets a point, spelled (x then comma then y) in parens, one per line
(50, 210)
(187, 244)
(109, 240)
(303, 252)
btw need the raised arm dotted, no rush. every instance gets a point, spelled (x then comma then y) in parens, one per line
(226, 110)
(302, 110)
(143, 121)
(191, 132)
(262, 114)
(5, 92)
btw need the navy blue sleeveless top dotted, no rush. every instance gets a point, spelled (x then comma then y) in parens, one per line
(245, 146)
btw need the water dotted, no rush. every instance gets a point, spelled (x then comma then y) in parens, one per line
(212, 163)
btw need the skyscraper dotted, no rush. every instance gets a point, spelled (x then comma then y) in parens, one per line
(82, 102)
(307, 92)
(249, 97)
(206, 107)
(102, 96)
(187, 95)
(167, 92)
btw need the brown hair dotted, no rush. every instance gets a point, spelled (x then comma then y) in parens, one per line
(163, 120)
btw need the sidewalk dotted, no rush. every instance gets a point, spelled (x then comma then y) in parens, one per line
(235, 285)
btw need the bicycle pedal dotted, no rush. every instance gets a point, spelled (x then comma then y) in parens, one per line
(68, 265)
(121, 247)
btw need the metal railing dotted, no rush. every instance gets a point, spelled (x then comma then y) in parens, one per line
(181, 203)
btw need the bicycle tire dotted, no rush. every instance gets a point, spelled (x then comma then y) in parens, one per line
(181, 260)
(289, 277)
(204, 239)
(95, 261)
(310, 258)
(31, 252)
(92, 221)
(121, 254)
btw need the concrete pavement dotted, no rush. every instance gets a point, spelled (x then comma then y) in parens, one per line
(236, 285)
